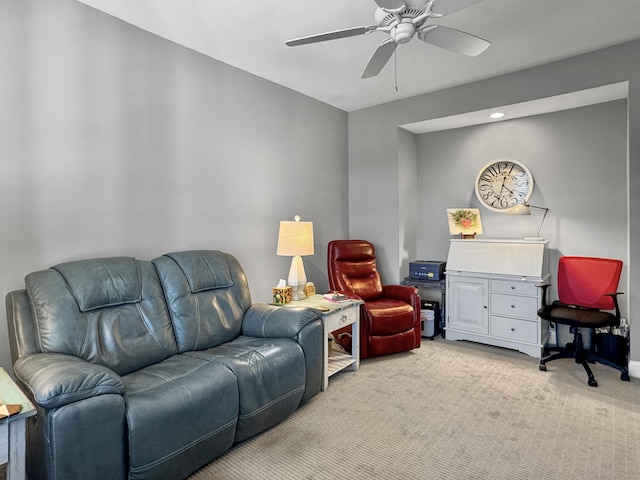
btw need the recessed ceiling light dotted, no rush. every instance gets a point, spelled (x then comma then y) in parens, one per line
(496, 115)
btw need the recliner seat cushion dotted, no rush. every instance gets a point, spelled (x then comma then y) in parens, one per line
(271, 379)
(180, 412)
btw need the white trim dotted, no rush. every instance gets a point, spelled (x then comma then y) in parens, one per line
(634, 368)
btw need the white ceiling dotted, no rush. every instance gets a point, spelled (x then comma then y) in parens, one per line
(251, 35)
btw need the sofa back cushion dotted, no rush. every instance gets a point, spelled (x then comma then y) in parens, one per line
(207, 295)
(109, 311)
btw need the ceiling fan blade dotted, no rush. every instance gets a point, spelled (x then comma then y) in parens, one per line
(390, 4)
(447, 7)
(379, 58)
(454, 40)
(323, 37)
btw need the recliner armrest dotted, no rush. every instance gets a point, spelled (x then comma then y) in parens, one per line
(268, 321)
(405, 293)
(56, 379)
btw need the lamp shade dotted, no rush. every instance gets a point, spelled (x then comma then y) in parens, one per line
(295, 238)
(519, 209)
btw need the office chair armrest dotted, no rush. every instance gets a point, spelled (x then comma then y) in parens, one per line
(613, 294)
(614, 297)
(544, 287)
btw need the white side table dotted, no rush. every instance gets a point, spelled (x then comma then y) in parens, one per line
(334, 316)
(13, 429)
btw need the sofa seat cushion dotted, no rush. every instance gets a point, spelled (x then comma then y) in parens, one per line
(271, 379)
(388, 316)
(181, 414)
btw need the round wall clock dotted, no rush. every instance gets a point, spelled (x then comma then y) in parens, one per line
(502, 184)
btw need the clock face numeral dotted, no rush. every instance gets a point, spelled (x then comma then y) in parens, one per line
(504, 184)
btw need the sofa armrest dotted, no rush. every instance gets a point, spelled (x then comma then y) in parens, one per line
(302, 325)
(55, 379)
(262, 320)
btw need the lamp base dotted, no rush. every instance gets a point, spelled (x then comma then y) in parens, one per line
(297, 292)
(297, 279)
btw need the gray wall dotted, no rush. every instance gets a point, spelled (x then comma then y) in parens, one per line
(578, 159)
(116, 142)
(373, 149)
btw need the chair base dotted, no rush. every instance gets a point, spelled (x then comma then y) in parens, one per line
(577, 351)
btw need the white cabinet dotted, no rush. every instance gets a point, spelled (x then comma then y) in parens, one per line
(492, 295)
(468, 306)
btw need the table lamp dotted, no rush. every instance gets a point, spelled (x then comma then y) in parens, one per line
(524, 209)
(295, 239)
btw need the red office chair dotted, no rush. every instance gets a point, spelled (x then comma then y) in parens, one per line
(390, 315)
(587, 292)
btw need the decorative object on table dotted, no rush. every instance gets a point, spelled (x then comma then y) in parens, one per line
(524, 209)
(309, 289)
(6, 410)
(281, 293)
(503, 184)
(464, 221)
(295, 239)
(336, 297)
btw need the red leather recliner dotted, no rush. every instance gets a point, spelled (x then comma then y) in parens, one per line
(390, 315)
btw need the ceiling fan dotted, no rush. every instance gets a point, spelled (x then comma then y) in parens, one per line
(402, 20)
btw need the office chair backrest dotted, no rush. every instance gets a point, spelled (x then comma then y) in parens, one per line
(583, 281)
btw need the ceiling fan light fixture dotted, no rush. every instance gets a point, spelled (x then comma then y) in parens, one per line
(403, 32)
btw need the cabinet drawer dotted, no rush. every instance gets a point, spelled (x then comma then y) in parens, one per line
(341, 318)
(513, 306)
(514, 287)
(513, 329)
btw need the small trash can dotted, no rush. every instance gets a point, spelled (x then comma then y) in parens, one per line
(430, 318)
(612, 347)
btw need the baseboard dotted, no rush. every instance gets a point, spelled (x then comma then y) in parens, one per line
(634, 369)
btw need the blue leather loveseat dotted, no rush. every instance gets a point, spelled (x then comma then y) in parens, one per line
(150, 370)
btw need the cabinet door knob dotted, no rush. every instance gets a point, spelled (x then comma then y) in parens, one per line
(513, 329)
(513, 287)
(513, 306)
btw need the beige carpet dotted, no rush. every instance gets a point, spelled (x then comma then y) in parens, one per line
(451, 410)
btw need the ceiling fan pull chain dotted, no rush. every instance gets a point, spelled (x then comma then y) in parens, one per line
(395, 69)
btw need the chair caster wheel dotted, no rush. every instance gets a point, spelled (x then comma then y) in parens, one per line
(625, 377)
(542, 367)
(592, 382)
